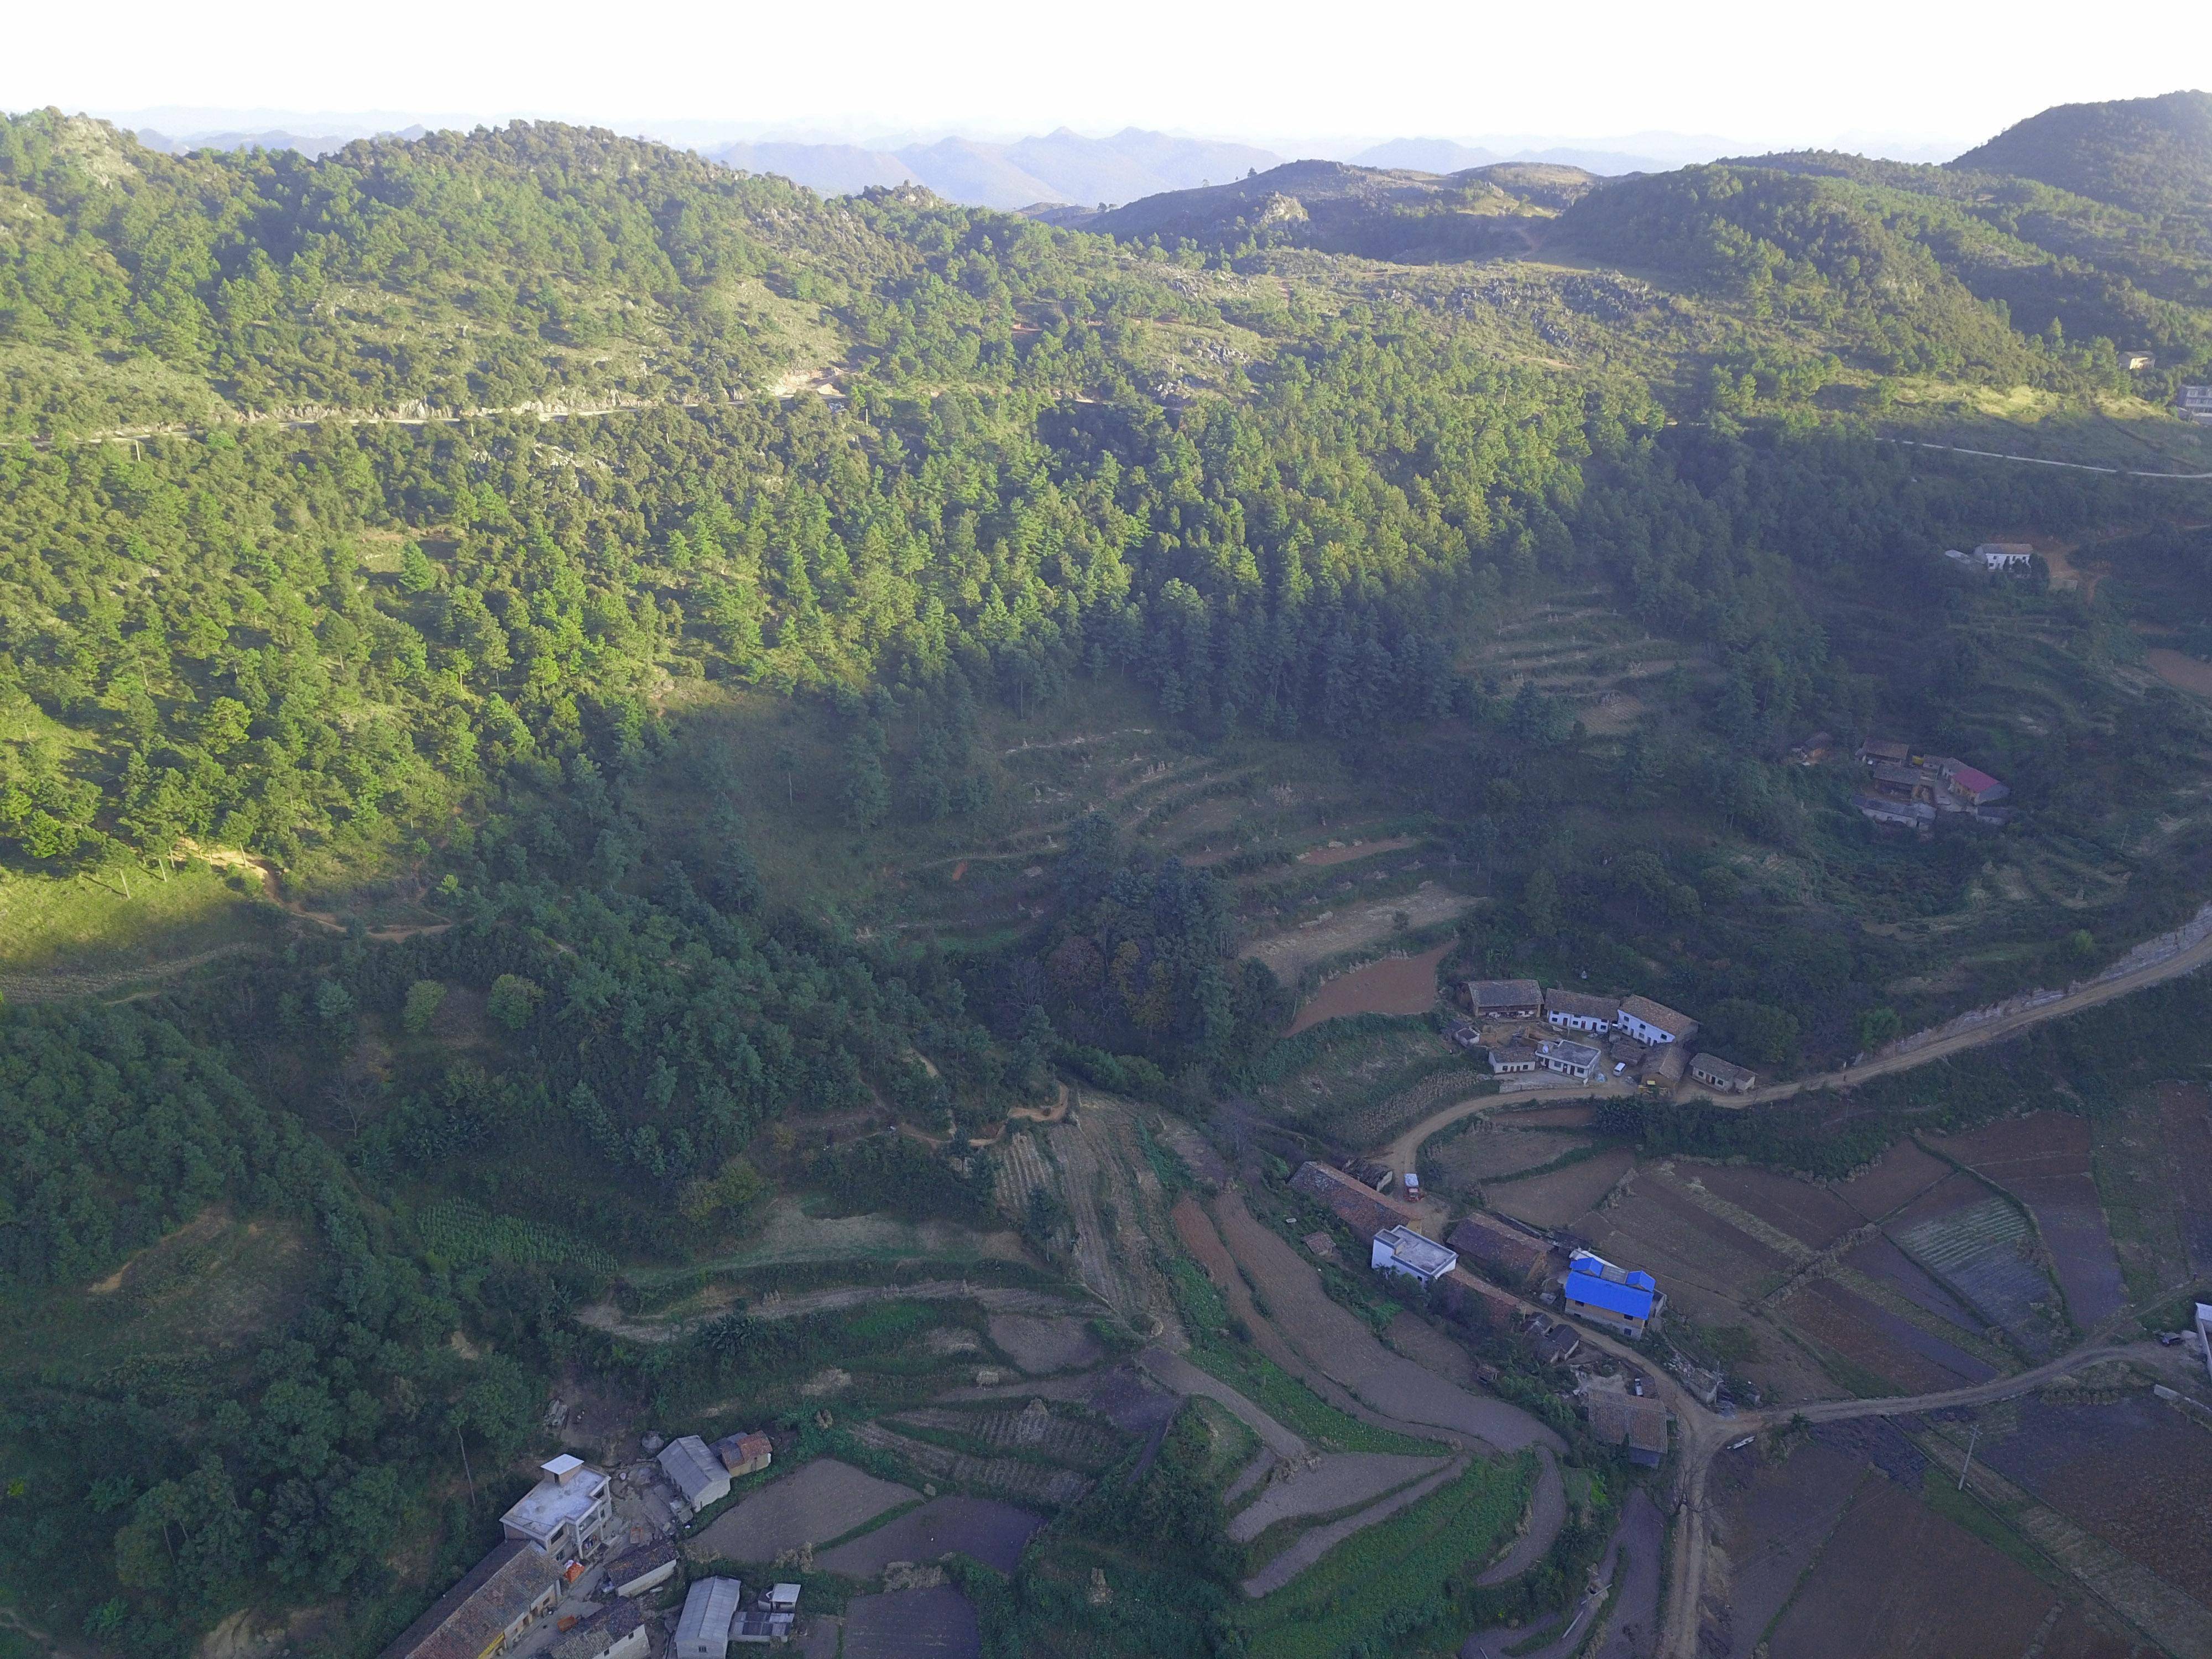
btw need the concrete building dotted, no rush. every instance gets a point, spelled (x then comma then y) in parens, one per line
(747, 1453)
(1569, 1058)
(501, 1596)
(2004, 556)
(2194, 404)
(698, 1475)
(1725, 1075)
(1614, 1297)
(1972, 786)
(1653, 1023)
(1402, 1250)
(1504, 999)
(566, 1513)
(710, 1608)
(614, 1633)
(1571, 1010)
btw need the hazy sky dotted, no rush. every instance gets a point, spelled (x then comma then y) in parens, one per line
(1910, 71)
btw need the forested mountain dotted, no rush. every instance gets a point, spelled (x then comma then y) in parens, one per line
(579, 613)
(2153, 155)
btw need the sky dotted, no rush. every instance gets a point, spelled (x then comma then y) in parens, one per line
(1885, 75)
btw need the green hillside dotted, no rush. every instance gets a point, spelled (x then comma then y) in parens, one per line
(2151, 155)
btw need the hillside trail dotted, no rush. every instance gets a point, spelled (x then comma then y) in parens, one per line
(2039, 461)
(1402, 1152)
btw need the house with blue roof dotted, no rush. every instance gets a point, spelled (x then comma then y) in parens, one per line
(1616, 1298)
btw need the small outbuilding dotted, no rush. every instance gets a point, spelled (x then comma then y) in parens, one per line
(710, 1608)
(1505, 999)
(747, 1453)
(1722, 1075)
(697, 1473)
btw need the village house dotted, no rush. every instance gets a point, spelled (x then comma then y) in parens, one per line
(565, 1514)
(747, 1453)
(1815, 750)
(1361, 1209)
(634, 1571)
(695, 1471)
(1662, 1069)
(2004, 556)
(2194, 404)
(1512, 1254)
(2136, 362)
(1653, 1023)
(710, 1608)
(501, 1597)
(1970, 787)
(1504, 999)
(1615, 1297)
(1569, 1058)
(1725, 1075)
(1898, 814)
(1401, 1250)
(618, 1631)
(1515, 1056)
(1554, 1342)
(1877, 751)
(1620, 1419)
(1571, 1010)
(1904, 783)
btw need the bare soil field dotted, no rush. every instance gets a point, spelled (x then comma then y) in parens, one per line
(818, 1501)
(1897, 1581)
(1335, 853)
(918, 1624)
(1494, 1150)
(991, 1531)
(1708, 1265)
(2185, 1118)
(1633, 1626)
(2043, 1160)
(1896, 1178)
(1072, 1441)
(1335, 1481)
(1556, 1199)
(1907, 1358)
(1769, 1520)
(1432, 1350)
(1040, 1346)
(1395, 985)
(2139, 1185)
(2179, 670)
(1813, 1215)
(1356, 926)
(1878, 1259)
(2134, 1473)
(1342, 1347)
(1550, 1117)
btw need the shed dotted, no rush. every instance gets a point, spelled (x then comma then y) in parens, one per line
(710, 1608)
(696, 1472)
(1505, 999)
(1665, 1066)
(1722, 1075)
(635, 1571)
(746, 1453)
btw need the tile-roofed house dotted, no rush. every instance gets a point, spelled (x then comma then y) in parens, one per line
(1557, 1344)
(1878, 750)
(1571, 1010)
(566, 1513)
(1401, 1250)
(1653, 1022)
(1640, 1424)
(1977, 787)
(617, 1631)
(1360, 1208)
(1723, 1074)
(1513, 1057)
(1905, 783)
(1460, 1293)
(1664, 1066)
(1901, 814)
(746, 1453)
(710, 1608)
(1517, 1257)
(696, 1471)
(637, 1570)
(501, 1596)
(1505, 999)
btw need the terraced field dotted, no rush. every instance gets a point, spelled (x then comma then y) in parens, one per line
(1982, 1247)
(1001, 1477)
(1035, 1430)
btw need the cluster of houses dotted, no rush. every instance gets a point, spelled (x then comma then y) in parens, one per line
(1910, 790)
(1522, 1265)
(1583, 1037)
(558, 1531)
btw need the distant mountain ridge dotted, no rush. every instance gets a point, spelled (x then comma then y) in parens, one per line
(2151, 155)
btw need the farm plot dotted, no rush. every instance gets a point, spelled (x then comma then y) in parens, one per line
(1771, 1518)
(1008, 1477)
(1494, 1150)
(1395, 985)
(1334, 1481)
(1040, 1346)
(2134, 1474)
(2137, 1183)
(982, 1528)
(2185, 1116)
(1894, 1179)
(1881, 1260)
(1813, 1216)
(2043, 1160)
(1035, 1428)
(1557, 1198)
(818, 1502)
(1981, 1247)
(1883, 1352)
(1897, 1581)
(1357, 1075)
(1356, 926)
(913, 1623)
(1711, 1266)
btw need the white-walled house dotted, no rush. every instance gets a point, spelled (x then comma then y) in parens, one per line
(1402, 1250)
(1653, 1023)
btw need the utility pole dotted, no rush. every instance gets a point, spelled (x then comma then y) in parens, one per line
(1969, 1463)
(462, 1440)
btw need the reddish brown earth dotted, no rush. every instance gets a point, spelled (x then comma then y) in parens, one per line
(1395, 985)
